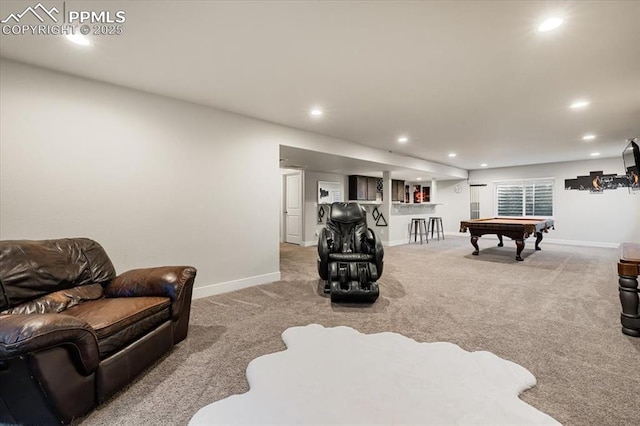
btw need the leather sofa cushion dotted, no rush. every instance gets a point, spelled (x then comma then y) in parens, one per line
(58, 301)
(32, 269)
(119, 321)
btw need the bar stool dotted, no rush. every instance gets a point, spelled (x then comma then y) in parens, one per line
(418, 226)
(435, 222)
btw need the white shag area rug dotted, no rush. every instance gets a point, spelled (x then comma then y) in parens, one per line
(341, 376)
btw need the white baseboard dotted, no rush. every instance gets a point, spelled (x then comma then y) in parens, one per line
(309, 243)
(219, 288)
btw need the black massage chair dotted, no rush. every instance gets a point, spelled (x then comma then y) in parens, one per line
(349, 255)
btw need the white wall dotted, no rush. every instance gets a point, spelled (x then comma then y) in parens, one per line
(605, 219)
(455, 205)
(311, 224)
(156, 181)
(310, 221)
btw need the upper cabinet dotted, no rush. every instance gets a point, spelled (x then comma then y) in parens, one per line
(397, 190)
(362, 188)
(365, 188)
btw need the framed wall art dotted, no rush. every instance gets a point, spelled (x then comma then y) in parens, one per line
(329, 192)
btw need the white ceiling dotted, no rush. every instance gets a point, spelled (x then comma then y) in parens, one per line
(470, 77)
(298, 158)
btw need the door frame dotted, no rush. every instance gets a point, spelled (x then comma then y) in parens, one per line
(283, 204)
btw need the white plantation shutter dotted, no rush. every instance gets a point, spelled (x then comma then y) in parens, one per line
(541, 198)
(532, 197)
(510, 198)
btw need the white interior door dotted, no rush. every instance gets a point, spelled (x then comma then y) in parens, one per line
(293, 208)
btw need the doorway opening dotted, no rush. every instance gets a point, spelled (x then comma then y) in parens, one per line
(291, 207)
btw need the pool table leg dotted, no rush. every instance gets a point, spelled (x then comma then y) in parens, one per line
(538, 239)
(474, 243)
(629, 298)
(519, 248)
(500, 244)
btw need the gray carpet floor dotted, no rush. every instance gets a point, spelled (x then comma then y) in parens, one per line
(556, 314)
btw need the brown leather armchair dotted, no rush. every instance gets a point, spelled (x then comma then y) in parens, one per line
(72, 333)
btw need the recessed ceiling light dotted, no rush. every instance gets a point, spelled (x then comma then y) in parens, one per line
(595, 154)
(316, 112)
(550, 24)
(403, 139)
(79, 39)
(418, 178)
(579, 104)
(483, 165)
(452, 154)
(588, 137)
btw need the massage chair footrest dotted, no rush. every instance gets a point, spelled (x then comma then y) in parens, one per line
(354, 291)
(353, 282)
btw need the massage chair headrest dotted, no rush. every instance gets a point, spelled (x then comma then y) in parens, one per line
(347, 213)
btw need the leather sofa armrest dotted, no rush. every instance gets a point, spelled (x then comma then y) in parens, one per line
(21, 334)
(174, 282)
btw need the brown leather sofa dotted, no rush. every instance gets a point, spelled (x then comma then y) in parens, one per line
(72, 333)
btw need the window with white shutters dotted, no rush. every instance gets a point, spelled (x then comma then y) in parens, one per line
(531, 197)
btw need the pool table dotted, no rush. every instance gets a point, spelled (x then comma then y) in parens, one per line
(628, 272)
(516, 228)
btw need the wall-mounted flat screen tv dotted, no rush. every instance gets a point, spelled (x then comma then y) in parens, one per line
(631, 158)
